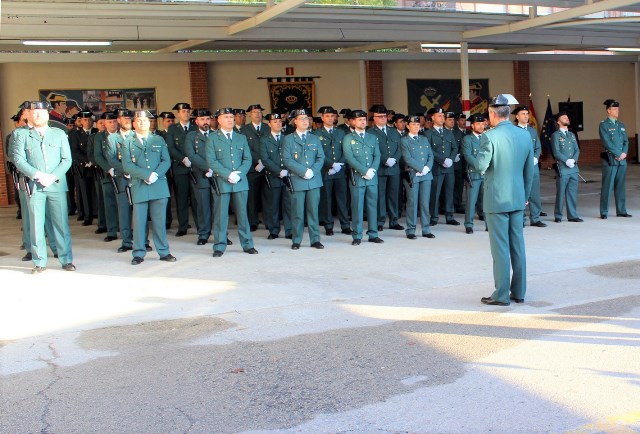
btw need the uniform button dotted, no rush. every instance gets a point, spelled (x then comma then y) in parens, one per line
(148, 167)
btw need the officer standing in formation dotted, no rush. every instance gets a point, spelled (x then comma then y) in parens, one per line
(168, 119)
(146, 159)
(362, 153)
(303, 157)
(229, 158)
(566, 152)
(100, 145)
(42, 154)
(78, 140)
(613, 136)
(417, 161)
(457, 125)
(475, 179)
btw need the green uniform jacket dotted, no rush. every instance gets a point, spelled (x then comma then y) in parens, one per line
(416, 153)
(197, 152)
(332, 148)
(537, 150)
(389, 148)
(99, 142)
(506, 159)
(112, 151)
(271, 157)
(614, 139)
(224, 157)
(362, 155)
(565, 148)
(140, 161)
(49, 154)
(299, 156)
(254, 140)
(470, 150)
(443, 145)
(175, 139)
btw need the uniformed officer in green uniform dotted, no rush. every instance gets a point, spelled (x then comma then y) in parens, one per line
(108, 171)
(615, 141)
(506, 159)
(43, 155)
(196, 152)
(254, 132)
(417, 161)
(239, 119)
(229, 156)
(535, 203)
(98, 176)
(345, 126)
(334, 173)
(470, 150)
(303, 157)
(145, 157)
(459, 167)
(181, 165)
(167, 119)
(400, 124)
(388, 173)
(566, 152)
(278, 194)
(78, 141)
(362, 153)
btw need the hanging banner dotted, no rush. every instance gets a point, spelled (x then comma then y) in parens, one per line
(425, 94)
(290, 95)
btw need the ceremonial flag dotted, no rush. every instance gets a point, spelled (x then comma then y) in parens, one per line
(548, 128)
(533, 119)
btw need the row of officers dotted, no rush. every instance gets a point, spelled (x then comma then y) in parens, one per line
(293, 174)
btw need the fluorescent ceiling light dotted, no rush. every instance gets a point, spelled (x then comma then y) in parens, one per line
(630, 50)
(68, 43)
(440, 45)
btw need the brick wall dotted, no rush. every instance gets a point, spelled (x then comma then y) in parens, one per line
(521, 81)
(375, 86)
(199, 83)
(6, 184)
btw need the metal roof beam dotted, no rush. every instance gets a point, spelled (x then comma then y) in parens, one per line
(372, 47)
(267, 15)
(182, 45)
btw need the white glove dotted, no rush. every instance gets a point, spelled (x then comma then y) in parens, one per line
(259, 166)
(457, 159)
(88, 164)
(126, 175)
(447, 162)
(332, 172)
(209, 173)
(45, 179)
(370, 174)
(308, 174)
(153, 177)
(425, 170)
(234, 177)
(284, 173)
(570, 162)
(419, 174)
(111, 172)
(390, 162)
(337, 167)
(535, 161)
(186, 161)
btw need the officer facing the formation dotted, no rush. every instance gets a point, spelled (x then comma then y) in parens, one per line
(196, 152)
(506, 159)
(146, 159)
(615, 141)
(43, 156)
(229, 157)
(108, 174)
(470, 150)
(566, 152)
(388, 173)
(417, 161)
(535, 203)
(334, 173)
(303, 157)
(445, 151)
(181, 165)
(278, 195)
(362, 153)
(254, 131)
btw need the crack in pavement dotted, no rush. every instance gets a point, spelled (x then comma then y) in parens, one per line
(43, 393)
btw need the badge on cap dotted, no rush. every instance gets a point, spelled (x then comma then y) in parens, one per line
(611, 103)
(38, 105)
(224, 111)
(181, 106)
(254, 107)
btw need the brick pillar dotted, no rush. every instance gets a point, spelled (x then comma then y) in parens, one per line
(521, 82)
(375, 87)
(6, 183)
(199, 83)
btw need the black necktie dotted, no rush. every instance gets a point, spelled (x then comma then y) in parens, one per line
(185, 129)
(277, 137)
(206, 134)
(144, 142)
(303, 137)
(229, 136)
(362, 136)
(258, 129)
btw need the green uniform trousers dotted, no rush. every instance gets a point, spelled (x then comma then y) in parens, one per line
(334, 190)
(204, 216)
(52, 206)
(221, 219)
(279, 201)
(535, 203)
(124, 213)
(418, 200)
(613, 179)
(388, 194)
(300, 200)
(442, 183)
(157, 209)
(184, 191)
(26, 226)
(474, 202)
(110, 207)
(359, 195)
(566, 187)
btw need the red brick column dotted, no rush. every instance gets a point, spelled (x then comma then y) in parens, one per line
(6, 184)
(375, 87)
(521, 82)
(199, 83)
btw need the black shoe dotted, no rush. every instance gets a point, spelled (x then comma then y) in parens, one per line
(623, 215)
(27, 257)
(19, 216)
(433, 222)
(376, 240)
(380, 229)
(37, 269)
(557, 220)
(100, 231)
(517, 300)
(468, 230)
(251, 251)
(253, 228)
(295, 246)
(148, 247)
(453, 222)
(481, 218)
(491, 301)
(289, 237)
(123, 249)
(347, 231)
(317, 245)
(603, 216)
(272, 236)
(87, 223)
(217, 253)
(412, 237)
(576, 220)
(229, 242)
(201, 242)
(539, 224)
(397, 227)
(109, 238)
(543, 214)
(429, 235)
(55, 255)
(355, 242)
(329, 232)
(169, 258)
(460, 211)
(181, 233)
(168, 226)
(80, 218)
(137, 260)
(69, 267)
(71, 212)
